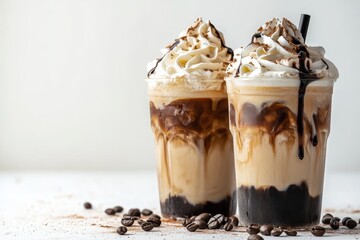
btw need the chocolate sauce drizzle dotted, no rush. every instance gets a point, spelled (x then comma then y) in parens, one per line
(177, 41)
(229, 50)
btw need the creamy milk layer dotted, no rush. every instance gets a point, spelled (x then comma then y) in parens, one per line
(198, 53)
(194, 146)
(264, 128)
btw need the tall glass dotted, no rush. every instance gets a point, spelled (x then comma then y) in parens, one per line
(280, 137)
(194, 150)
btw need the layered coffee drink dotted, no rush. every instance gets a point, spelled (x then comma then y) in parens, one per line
(280, 93)
(190, 122)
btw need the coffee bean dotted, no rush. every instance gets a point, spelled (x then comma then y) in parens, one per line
(186, 221)
(121, 230)
(127, 222)
(290, 232)
(266, 229)
(328, 215)
(204, 216)
(87, 205)
(140, 221)
(228, 226)
(253, 229)
(130, 217)
(334, 224)
(155, 216)
(147, 226)
(234, 220)
(337, 219)
(110, 211)
(202, 224)
(155, 221)
(192, 227)
(220, 218)
(134, 212)
(326, 218)
(318, 231)
(192, 218)
(276, 232)
(146, 212)
(118, 209)
(255, 237)
(351, 223)
(213, 223)
(343, 221)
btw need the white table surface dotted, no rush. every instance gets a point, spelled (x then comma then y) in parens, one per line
(49, 205)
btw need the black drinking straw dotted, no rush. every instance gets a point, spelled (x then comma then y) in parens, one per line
(304, 24)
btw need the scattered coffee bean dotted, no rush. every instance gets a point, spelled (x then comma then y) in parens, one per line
(234, 220)
(334, 224)
(290, 232)
(337, 219)
(343, 221)
(276, 232)
(147, 226)
(351, 223)
(132, 217)
(192, 227)
(134, 212)
(155, 221)
(326, 218)
(204, 216)
(146, 212)
(118, 209)
(255, 237)
(186, 222)
(121, 230)
(155, 216)
(128, 222)
(87, 205)
(220, 218)
(110, 211)
(228, 226)
(140, 221)
(213, 223)
(202, 224)
(253, 229)
(266, 229)
(318, 231)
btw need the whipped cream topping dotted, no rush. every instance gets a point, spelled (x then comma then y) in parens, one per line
(278, 50)
(198, 53)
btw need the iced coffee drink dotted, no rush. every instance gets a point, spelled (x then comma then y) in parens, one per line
(280, 93)
(189, 119)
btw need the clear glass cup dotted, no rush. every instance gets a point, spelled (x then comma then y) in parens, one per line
(194, 147)
(279, 152)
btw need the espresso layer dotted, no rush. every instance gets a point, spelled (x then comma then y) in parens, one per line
(177, 206)
(293, 207)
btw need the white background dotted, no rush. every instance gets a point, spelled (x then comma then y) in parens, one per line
(72, 90)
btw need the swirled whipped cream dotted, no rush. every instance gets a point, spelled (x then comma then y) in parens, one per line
(278, 50)
(198, 53)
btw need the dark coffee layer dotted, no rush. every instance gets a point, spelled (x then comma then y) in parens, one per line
(191, 116)
(177, 206)
(293, 207)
